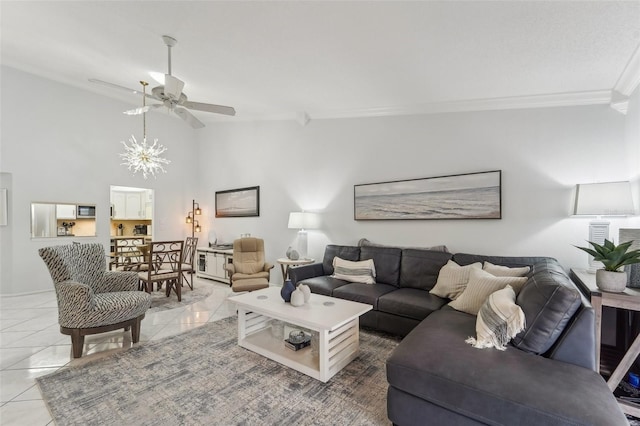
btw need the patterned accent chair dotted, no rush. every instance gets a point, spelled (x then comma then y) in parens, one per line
(91, 299)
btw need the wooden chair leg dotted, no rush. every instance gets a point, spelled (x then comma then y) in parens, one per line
(77, 343)
(135, 330)
(189, 279)
(176, 286)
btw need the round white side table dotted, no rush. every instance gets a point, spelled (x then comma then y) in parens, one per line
(286, 263)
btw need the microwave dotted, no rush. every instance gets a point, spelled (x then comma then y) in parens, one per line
(86, 211)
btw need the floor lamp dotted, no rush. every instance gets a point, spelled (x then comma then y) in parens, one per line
(195, 225)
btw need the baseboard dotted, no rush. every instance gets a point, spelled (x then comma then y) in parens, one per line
(25, 294)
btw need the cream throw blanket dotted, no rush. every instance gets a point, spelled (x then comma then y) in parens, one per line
(499, 320)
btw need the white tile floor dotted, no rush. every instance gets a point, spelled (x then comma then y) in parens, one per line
(31, 344)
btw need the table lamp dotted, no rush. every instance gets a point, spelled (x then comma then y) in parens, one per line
(302, 221)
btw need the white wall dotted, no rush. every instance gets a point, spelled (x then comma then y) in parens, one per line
(632, 132)
(542, 153)
(62, 144)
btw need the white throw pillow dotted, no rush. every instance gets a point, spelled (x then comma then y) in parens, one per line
(481, 285)
(452, 279)
(363, 271)
(499, 320)
(505, 271)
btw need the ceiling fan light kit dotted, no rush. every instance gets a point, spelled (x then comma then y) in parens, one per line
(173, 88)
(170, 95)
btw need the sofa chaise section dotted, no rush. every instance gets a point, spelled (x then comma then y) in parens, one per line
(433, 374)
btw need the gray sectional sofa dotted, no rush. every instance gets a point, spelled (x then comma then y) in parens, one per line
(545, 377)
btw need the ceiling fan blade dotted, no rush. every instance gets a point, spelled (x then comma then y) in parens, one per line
(218, 109)
(142, 110)
(188, 117)
(172, 86)
(117, 86)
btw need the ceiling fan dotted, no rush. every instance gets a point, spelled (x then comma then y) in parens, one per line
(172, 96)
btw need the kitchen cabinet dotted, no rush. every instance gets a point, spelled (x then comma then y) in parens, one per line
(127, 205)
(210, 263)
(147, 204)
(118, 205)
(133, 208)
(65, 211)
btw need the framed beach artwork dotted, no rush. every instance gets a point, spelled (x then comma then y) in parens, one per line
(241, 202)
(464, 196)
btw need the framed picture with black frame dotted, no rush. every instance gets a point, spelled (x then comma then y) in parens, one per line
(463, 196)
(241, 202)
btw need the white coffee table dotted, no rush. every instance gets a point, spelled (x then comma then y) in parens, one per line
(336, 321)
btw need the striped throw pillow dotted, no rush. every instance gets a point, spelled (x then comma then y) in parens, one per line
(355, 272)
(499, 320)
(481, 284)
(452, 279)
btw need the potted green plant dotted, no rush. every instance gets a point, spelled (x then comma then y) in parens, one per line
(613, 257)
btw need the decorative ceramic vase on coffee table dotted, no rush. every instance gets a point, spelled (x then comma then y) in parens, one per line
(297, 298)
(287, 289)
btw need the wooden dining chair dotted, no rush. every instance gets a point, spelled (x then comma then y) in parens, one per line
(163, 266)
(126, 253)
(188, 258)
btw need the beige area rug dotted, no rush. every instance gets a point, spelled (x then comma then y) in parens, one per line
(202, 377)
(160, 302)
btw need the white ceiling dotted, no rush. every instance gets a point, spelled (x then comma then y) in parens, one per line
(275, 60)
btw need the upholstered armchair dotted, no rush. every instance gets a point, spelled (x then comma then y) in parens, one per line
(91, 299)
(249, 271)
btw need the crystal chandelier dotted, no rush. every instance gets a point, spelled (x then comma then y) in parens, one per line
(142, 157)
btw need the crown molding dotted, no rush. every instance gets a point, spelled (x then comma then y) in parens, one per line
(630, 77)
(596, 97)
(619, 102)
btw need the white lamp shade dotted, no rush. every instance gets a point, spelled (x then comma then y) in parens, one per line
(303, 220)
(604, 199)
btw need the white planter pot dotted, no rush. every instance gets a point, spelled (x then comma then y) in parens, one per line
(614, 282)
